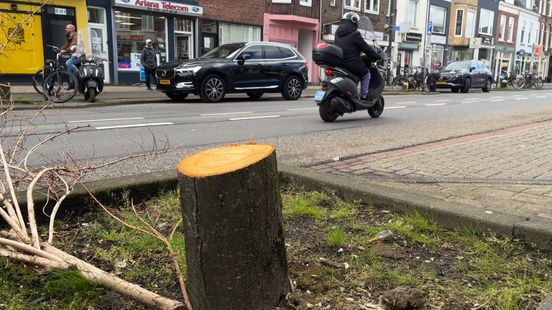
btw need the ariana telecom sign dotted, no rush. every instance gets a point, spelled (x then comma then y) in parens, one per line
(161, 6)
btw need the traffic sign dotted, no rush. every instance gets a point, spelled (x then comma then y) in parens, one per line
(429, 27)
(395, 28)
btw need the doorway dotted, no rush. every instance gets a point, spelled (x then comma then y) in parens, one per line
(183, 46)
(97, 28)
(54, 20)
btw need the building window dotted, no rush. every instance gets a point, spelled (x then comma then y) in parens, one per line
(541, 34)
(229, 32)
(529, 32)
(411, 12)
(184, 25)
(305, 2)
(97, 15)
(352, 5)
(511, 22)
(470, 24)
(522, 33)
(502, 30)
(438, 16)
(459, 20)
(132, 31)
(371, 6)
(546, 37)
(486, 20)
(549, 8)
(332, 2)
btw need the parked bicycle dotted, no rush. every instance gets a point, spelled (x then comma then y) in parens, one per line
(516, 81)
(58, 84)
(413, 80)
(531, 80)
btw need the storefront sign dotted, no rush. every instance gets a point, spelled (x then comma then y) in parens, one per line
(487, 40)
(161, 6)
(415, 37)
(475, 42)
(505, 49)
(408, 46)
(435, 39)
(133, 64)
(367, 35)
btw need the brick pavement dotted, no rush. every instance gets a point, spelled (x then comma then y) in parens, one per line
(507, 171)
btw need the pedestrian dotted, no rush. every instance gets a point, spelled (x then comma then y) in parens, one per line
(148, 60)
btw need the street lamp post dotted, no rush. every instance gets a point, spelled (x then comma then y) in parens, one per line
(390, 37)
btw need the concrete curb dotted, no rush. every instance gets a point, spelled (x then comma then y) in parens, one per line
(452, 215)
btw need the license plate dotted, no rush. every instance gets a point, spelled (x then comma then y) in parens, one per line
(165, 82)
(441, 83)
(319, 95)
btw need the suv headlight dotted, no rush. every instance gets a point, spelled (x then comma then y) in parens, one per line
(187, 71)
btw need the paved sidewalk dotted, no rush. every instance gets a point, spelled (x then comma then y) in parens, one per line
(503, 175)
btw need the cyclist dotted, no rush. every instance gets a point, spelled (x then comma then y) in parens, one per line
(75, 47)
(352, 43)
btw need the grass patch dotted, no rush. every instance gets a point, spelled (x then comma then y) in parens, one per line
(445, 269)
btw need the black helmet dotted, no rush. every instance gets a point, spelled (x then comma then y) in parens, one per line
(351, 16)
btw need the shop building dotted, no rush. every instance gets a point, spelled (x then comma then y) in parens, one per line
(295, 23)
(408, 47)
(437, 40)
(27, 50)
(505, 38)
(226, 21)
(171, 25)
(526, 38)
(486, 26)
(462, 29)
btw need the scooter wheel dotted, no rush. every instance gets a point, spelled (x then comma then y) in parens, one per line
(327, 112)
(92, 94)
(377, 109)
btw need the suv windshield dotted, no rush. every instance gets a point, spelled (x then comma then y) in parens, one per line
(457, 65)
(223, 51)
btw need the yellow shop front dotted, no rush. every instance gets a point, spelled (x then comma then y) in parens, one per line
(26, 49)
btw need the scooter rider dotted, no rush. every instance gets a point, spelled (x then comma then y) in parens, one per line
(349, 39)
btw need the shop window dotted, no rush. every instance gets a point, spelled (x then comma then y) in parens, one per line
(511, 22)
(371, 6)
(438, 16)
(486, 20)
(132, 31)
(459, 20)
(470, 24)
(183, 25)
(230, 33)
(352, 5)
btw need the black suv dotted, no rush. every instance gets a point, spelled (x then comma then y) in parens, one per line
(461, 76)
(254, 68)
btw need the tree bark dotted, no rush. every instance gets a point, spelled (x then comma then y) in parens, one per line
(232, 210)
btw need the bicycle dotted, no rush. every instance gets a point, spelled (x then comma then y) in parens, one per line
(59, 85)
(516, 81)
(531, 80)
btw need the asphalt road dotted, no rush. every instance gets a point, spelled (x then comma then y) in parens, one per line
(300, 136)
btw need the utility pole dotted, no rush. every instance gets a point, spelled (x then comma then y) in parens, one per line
(390, 36)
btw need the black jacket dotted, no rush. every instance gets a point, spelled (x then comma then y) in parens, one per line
(148, 58)
(352, 43)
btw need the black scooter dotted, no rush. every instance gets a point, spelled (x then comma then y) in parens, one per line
(339, 93)
(91, 78)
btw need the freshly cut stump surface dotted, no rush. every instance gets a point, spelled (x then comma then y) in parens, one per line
(235, 248)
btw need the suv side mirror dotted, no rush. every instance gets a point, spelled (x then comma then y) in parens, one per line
(472, 68)
(242, 58)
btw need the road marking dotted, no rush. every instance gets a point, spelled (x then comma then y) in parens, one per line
(302, 109)
(471, 101)
(443, 100)
(397, 107)
(226, 113)
(497, 97)
(407, 102)
(434, 104)
(253, 117)
(106, 120)
(497, 100)
(540, 97)
(134, 125)
(521, 98)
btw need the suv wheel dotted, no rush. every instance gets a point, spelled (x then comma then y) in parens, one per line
(255, 94)
(176, 96)
(212, 88)
(467, 85)
(487, 87)
(293, 87)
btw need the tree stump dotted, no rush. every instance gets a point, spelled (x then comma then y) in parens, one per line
(234, 240)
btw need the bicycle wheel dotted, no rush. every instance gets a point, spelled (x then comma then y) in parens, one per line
(38, 81)
(539, 83)
(60, 86)
(518, 82)
(398, 82)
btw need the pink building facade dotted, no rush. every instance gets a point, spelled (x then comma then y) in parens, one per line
(298, 31)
